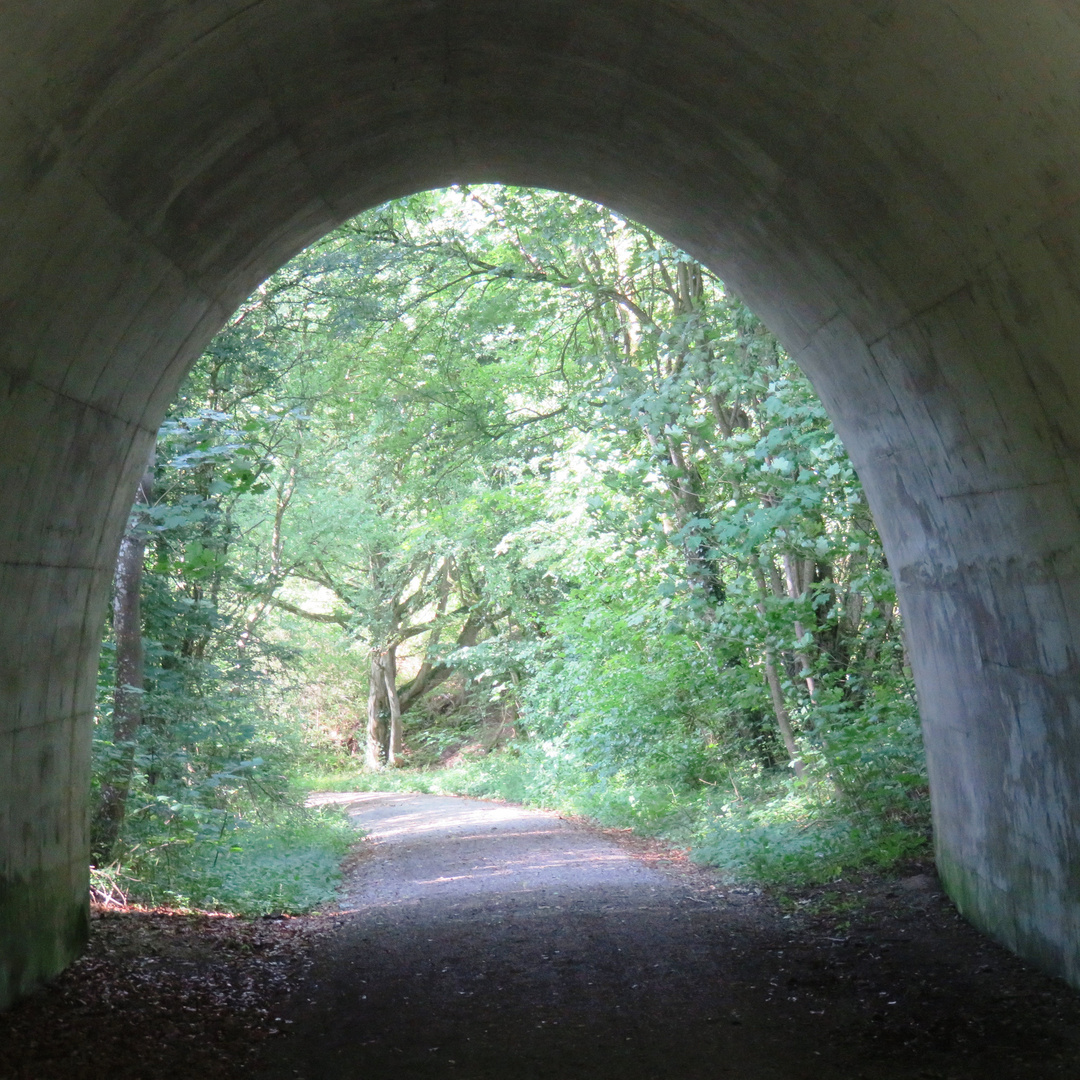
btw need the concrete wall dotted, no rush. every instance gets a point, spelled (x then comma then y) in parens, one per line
(894, 185)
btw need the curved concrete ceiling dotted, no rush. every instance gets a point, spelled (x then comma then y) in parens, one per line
(892, 184)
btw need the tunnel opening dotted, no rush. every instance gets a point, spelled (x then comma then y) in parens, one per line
(497, 485)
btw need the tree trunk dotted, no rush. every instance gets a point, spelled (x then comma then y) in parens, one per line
(285, 491)
(395, 749)
(375, 750)
(703, 574)
(776, 692)
(800, 575)
(783, 720)
(127, 695)
(429, 676)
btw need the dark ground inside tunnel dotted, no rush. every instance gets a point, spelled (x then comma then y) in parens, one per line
(663, 972)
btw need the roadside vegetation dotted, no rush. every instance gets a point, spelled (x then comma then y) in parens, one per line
(494, 492)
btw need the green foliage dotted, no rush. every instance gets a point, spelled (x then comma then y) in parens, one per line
(209, 818)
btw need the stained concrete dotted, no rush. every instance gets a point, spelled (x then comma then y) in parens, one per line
(893, 185)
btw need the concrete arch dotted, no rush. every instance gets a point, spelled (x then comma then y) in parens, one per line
(892, 184)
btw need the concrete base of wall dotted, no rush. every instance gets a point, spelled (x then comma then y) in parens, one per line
(1035, 926)
(51, 911)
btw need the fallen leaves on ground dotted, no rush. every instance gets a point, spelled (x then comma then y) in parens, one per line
(161, 995)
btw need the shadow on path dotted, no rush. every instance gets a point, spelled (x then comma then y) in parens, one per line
(480, 940)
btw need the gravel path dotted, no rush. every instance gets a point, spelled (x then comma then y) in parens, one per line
(444, 853)
(485, 941)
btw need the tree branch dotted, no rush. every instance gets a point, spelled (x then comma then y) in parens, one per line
(312, 616)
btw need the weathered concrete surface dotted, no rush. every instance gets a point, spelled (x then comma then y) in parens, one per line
(894, 185)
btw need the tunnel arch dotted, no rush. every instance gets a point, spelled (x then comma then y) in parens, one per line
(893, 185)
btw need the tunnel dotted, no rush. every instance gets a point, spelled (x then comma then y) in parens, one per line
(892, 185)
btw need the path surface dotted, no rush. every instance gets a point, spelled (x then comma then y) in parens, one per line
(484, 941)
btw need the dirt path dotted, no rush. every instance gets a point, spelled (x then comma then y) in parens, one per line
(483, 941)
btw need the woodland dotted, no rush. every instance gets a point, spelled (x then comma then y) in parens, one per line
(494, 492)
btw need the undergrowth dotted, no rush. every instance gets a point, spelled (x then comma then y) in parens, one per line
(277, 858)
